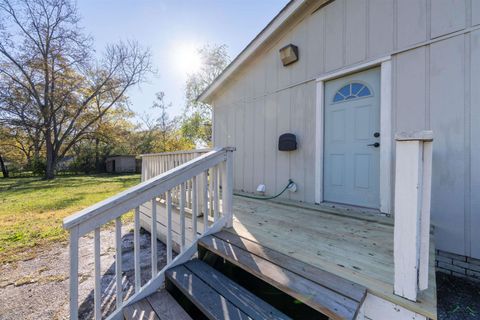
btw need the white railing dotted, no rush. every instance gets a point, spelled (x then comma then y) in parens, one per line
(218, 161)
(413, 177)
(158, 163)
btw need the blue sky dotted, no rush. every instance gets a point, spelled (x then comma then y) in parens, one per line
(170, 28)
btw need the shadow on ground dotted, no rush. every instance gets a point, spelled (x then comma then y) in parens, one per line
(108, 280)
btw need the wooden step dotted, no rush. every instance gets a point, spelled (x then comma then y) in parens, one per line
(216, 296)
(158, 306)
(327, 293)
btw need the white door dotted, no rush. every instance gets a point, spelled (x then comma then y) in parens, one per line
(352, 139)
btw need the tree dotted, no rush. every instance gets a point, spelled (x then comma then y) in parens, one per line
(161, 134)
(46, 58)
(197, 123)
(3, 167)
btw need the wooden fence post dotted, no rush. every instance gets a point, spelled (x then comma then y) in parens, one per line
(412, 212)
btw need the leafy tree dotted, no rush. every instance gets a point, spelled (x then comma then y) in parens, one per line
(161, 134)
(197, 123)
(45, 57)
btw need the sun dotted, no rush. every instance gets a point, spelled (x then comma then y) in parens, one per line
(187, 59)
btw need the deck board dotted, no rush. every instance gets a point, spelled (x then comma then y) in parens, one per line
(158, 306)
(358, 250)
(141, 310)
(246, 301)
(205, 298)
(328, 280)
(166, 307)
(320, 298)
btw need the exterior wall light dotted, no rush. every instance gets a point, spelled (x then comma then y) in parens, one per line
(289, 54)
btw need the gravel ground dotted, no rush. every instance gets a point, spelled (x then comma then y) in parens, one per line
(38, 288)
(457, 298)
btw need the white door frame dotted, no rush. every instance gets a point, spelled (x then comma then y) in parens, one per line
(385, 65)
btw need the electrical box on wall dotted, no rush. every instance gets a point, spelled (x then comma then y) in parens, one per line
(287, 142)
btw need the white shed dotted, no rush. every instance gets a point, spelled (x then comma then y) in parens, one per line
(366, 70)
(121, 164)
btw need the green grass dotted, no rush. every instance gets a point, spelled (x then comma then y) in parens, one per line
(32, 210)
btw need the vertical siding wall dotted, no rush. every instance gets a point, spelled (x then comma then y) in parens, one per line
(435, 48)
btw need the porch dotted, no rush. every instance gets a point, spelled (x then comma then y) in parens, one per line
(356, 248)
(354, 245)
(314, 254)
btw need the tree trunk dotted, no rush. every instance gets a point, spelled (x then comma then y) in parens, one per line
(97, 156)
(51, 157)
(4, 169)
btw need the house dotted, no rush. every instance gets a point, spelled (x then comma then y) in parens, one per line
(366, 70)
(120, 164)
(359, 118)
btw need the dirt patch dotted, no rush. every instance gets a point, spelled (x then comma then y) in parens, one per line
(457, 298)
(38, 288)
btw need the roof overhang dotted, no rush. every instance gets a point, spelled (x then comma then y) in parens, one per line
(273, 27)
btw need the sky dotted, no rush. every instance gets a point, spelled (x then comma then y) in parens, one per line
(173, 30)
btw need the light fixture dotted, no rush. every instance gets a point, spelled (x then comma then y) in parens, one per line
(289, 54)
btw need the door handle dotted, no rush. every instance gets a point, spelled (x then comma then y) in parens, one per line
(376, 145)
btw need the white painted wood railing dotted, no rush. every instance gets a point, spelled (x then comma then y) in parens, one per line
(158, 163)
(218, 161)
(413, 176)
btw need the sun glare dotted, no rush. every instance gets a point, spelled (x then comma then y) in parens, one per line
(187, 59)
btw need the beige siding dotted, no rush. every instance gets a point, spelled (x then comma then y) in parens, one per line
(447, 116)
(475, 149)
(447, 16)
(435, 81)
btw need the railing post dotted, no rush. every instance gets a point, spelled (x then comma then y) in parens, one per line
(136, 250)
(74, 273)
(199, 190)
(412, 212)
(98, 280)
(118, 262)
(227, 188)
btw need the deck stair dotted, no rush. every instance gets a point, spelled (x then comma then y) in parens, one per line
(216, 296)
(327, 293)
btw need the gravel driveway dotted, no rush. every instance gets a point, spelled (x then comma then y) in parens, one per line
(38, 288)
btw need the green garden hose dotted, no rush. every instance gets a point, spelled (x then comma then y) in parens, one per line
(290, 182)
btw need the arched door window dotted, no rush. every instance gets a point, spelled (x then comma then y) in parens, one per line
(351, 91)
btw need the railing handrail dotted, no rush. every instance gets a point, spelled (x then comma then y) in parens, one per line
(177, 152)
(139, 194)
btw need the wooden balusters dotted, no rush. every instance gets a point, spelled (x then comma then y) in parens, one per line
(182, 216)
(194, 208)
(169, 226)
(154, 237)
(215, 192)
(74, 273)
(205, 201)
(97, 297)
(136, 249)
(118, 261)
(195, 186)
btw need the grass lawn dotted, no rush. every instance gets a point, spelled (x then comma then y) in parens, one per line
(32, 210)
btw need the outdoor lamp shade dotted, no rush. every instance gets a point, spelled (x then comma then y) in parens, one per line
(289, 54)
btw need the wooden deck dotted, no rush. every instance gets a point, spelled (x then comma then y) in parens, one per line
(343, 244)
(357, 246)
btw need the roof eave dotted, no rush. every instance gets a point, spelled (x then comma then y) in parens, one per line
(251, 48)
